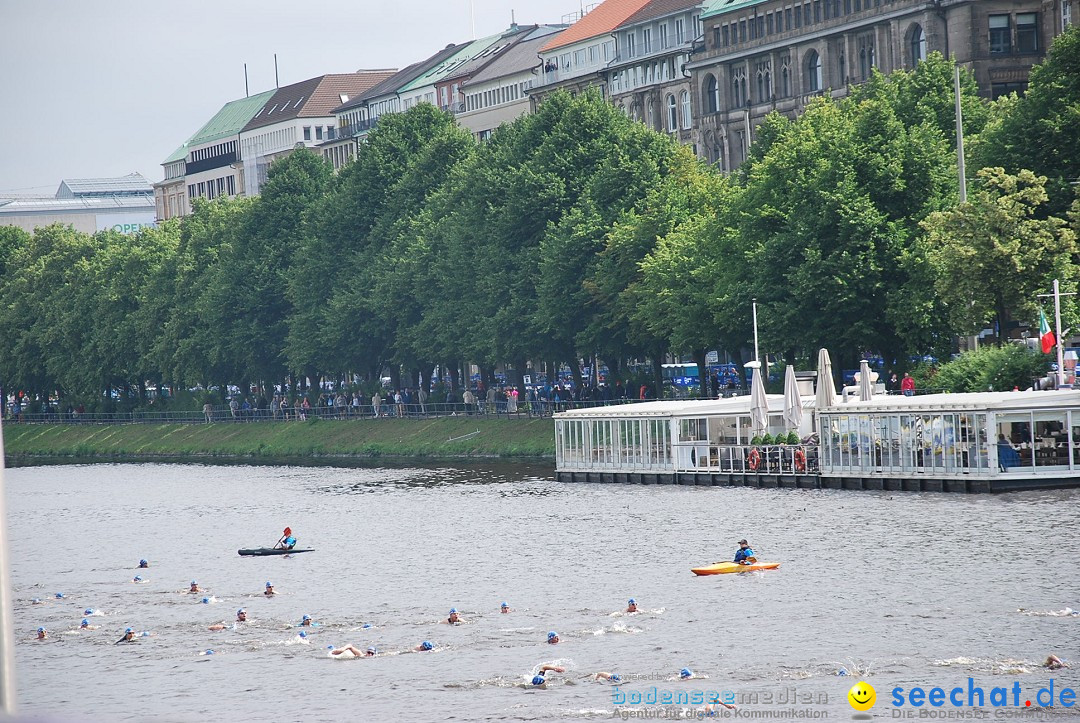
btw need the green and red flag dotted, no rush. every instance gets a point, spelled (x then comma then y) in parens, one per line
(1049, 341)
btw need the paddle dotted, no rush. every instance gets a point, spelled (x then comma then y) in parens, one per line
(284, 534)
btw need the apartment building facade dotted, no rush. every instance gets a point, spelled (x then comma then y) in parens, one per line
(760, 56)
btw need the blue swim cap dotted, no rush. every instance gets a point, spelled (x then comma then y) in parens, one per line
(615, 678)
(538, 680)
(137, 579)
(128, 630)
(504, 605)
(88, 611)
(686, 673)
(552, 634)
(143, 562)
(59, 595)
(85, 622)
(206, 600)
(144, 634)
(194, 583)
(41, 630)
(35, 601)
(241, 610)
(426, 645)
(841, 672)
(307, 617)
(453, 610)
(631, 602)
(373, 651)
(329, 647)
(209, 652)
(366, 625)
(303, 634)
(269, 585)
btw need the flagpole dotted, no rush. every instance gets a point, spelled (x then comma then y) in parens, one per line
(1057, 332)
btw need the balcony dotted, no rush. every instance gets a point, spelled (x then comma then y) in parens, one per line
(455, 108)
(671, 44)
(353, 129)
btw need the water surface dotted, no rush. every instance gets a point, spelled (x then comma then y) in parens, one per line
(908, 588)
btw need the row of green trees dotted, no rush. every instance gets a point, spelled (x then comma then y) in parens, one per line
(574, 232)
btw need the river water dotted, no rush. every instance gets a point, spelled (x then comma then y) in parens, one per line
(904, 589)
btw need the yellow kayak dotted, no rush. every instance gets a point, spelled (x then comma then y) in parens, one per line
(721, 568)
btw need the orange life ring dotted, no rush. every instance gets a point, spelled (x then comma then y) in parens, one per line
(800, 460)
(754, 459)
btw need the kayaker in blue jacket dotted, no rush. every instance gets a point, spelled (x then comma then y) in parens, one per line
(744, 553)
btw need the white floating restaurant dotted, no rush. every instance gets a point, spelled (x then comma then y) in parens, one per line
(986, 442)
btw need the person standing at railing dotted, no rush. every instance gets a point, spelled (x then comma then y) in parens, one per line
(234, 409)
(208, 412)
(907, 386)
(376, 402)
(421, 397)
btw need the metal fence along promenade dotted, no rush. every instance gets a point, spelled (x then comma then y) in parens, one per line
(387, 410)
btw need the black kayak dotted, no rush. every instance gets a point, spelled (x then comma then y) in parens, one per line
(264, 551)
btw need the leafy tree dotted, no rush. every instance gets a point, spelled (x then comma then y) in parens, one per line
(1041, 130)
(994, 254)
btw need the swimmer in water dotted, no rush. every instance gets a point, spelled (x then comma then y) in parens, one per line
(686, 674)
(305, 622)
(553, 638)
(42, 634)
(611, 677)
(539, 680)
(269, 591)
(85, 625)
(426, 645)
(1055, 663)
(504, 608)
(144, 563)
(218, 626)
(241, 615)
(129, 636)
(454, 618)
(631, 606)
(194, 587)
(354, 651)
(59, 596)
(137, 578)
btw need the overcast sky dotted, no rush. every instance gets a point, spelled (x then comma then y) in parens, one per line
(108, 87)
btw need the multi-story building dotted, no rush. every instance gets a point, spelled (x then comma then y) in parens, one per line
(761, 56)
(124, 204)
(578, 57)
(359, 114)
(648, 79)
(498, 92)
(295, 115)
(208, 164)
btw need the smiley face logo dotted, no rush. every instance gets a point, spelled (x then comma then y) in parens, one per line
(862, 696)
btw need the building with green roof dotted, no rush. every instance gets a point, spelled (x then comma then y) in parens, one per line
(209, 158)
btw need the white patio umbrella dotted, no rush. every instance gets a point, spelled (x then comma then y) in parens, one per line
(866, 385)
(825, 395)
(792, 401)
(759, 403)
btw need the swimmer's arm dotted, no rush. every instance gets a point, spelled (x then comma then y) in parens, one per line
(552, 668)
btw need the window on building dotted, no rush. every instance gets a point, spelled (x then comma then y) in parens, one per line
(646, 40)
(726, 36)
(609, 50)
(650, 119)
(672, 114)
(318, 133)
(629, 45)
(687, 119)
(763, 77)
(785, 81)
(1000, 34)
(999, 89)
(230, 185)
(1027, 33)
(817, 11)
(787, 19)
(738, 87)
(814, 82)
(579, 58)
(769, 24)
(1066, 15)
(564, 61)
(918, 45)
(680, 32)
(594, 54)
(798, 16)
(307, 133)
(742, 31)
(191, 190)
(712, 94)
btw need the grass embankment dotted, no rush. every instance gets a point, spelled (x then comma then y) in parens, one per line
(429, 438)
